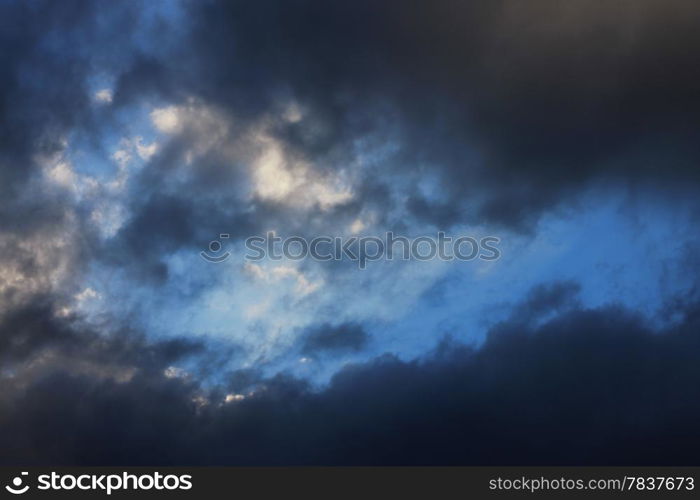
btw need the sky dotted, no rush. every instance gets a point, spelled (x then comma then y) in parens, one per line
(134, 134)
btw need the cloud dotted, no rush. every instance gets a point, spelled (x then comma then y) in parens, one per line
(584, 387)
(509, 112)
(344, 337)
(166, 120)
(307, 117)
(519, 109)
(104, 96)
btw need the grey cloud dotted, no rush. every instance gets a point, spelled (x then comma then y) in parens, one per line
(516, 106)
(344, 337)
(585, 387)
(514, 110)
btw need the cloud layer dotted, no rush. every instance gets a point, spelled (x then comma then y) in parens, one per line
(578, 389)
(132, 136)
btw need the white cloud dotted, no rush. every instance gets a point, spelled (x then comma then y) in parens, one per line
(175, 372)
(233, 397)
(303, 285)
(104, 96)
(283, 179)
(167, 120)
(125, 154)
(145, 151)
(273, 180)
(87, 294)
(62, 173)
(109, 217)
(122, 157)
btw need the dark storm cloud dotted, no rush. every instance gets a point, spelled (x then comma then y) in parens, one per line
(28, 329)
(166, 223)
(42, 95)
(47, 358)
(586, 387)
(440, 212)
(344, 337)
(33, 101)
(34, 329)
(547, 299)
(48, 53)
(517, 105)
(515, 108)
